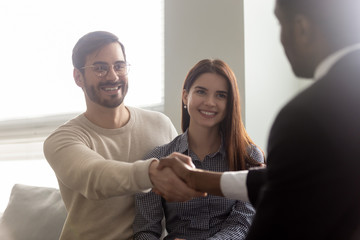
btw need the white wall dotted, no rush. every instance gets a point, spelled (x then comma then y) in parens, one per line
(243, 33)
(269, 81)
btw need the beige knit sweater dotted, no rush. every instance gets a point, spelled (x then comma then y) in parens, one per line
(99, 170)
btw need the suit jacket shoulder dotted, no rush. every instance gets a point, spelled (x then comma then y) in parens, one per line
(313, 162)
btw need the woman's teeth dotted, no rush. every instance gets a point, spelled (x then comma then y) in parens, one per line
(208, 113)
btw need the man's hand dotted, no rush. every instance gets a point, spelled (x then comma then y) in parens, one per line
(170, 186)
(198, 179)
(181, 165)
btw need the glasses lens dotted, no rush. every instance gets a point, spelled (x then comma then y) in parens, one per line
(101, 69)
(120, 68)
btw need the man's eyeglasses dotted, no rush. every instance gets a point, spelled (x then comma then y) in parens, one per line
(102, 69)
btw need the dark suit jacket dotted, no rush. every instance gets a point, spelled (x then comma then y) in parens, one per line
(312, 181)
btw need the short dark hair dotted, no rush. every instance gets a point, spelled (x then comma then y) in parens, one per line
(339, 20)
(91, 42)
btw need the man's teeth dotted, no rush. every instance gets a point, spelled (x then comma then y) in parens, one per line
(111, 89)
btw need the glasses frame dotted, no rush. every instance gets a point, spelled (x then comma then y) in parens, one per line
(100, 74)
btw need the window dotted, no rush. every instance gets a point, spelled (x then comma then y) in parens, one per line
(38, 88)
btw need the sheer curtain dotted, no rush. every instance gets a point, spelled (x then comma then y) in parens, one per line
(38, 91)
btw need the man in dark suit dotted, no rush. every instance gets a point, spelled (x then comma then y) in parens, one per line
(311, 186)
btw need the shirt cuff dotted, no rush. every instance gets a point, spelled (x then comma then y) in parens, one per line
(233, 185)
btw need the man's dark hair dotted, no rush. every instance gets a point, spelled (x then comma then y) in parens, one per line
(91, 42)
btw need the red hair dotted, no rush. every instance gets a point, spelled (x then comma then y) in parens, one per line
(236, 139)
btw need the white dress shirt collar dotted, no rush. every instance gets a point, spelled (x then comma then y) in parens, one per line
(325, 65)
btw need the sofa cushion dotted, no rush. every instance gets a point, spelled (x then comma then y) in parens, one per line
(33, 213)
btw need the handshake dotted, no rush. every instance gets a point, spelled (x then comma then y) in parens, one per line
(176, 179)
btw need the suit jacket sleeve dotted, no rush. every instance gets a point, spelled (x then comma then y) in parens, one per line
(254, 182)
(294, 201)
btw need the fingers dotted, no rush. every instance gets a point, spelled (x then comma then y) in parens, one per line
(171, 187)
(171, 178)
(181, 169)
(184, 158)
(180, 192)
(180, 157)
(173, 163)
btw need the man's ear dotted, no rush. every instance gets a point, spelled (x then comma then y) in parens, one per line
(78, 77)
(303, 30)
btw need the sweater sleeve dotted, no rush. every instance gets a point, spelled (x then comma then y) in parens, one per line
(81, 169)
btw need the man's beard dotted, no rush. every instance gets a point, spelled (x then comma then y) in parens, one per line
(93, 92)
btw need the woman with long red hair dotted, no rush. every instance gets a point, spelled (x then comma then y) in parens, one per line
(215, 138)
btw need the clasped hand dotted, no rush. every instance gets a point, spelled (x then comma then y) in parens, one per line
(171, 177)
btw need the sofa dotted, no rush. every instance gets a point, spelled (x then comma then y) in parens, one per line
(33, 213)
